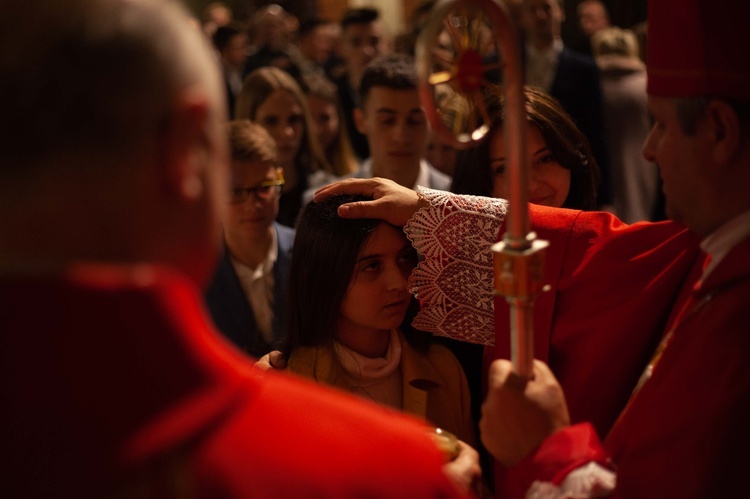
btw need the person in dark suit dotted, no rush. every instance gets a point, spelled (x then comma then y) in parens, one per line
(231, 43)
(271, 41)
(247, 294)
(569, 76)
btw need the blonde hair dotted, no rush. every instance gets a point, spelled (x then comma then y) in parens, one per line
(258, 86)
(339, 153)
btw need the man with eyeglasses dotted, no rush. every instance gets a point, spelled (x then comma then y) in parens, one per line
(247, 294)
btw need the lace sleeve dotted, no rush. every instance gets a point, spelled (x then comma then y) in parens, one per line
(454, 281)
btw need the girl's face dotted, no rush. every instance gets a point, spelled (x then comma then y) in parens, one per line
(326, 119)
(377, 298)
(282, 116)
(549, 181)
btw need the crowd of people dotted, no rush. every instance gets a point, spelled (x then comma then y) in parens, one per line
(601, 87)
(341, 100)
(239, 274)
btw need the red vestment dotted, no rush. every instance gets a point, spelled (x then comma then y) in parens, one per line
(685, 433)
(113, 383)
(613, 288)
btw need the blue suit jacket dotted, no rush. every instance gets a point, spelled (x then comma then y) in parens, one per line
(231, 311)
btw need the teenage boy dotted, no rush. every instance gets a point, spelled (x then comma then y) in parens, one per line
(247, 295)
(392, 118)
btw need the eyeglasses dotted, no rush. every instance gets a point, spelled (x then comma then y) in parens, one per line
(265, 191)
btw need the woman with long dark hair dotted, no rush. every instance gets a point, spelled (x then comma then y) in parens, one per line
(562, 170)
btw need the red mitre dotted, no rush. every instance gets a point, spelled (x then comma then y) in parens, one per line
(699, 48)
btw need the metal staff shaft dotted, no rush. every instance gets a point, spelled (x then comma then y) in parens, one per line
(519, 258)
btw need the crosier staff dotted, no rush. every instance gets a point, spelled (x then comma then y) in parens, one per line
(519, 258)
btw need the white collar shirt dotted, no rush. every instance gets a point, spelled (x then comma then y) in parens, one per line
(723, 239)
(258, 285)
(541, 65)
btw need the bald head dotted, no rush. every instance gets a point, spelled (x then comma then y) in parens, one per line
(90, 75)
(111, 139)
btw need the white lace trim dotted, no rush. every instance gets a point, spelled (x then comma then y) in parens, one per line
(590, 480)
(454, 282)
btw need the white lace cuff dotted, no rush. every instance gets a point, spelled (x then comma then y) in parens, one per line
(454, 281)
(591, 480)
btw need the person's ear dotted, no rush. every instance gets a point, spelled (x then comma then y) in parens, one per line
(184, 146)
(359, 120)
(725, 131)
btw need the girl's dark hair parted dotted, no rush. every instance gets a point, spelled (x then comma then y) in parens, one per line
(325, 251)
(326, 248)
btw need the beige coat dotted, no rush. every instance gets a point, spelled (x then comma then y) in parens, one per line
(434, 386)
